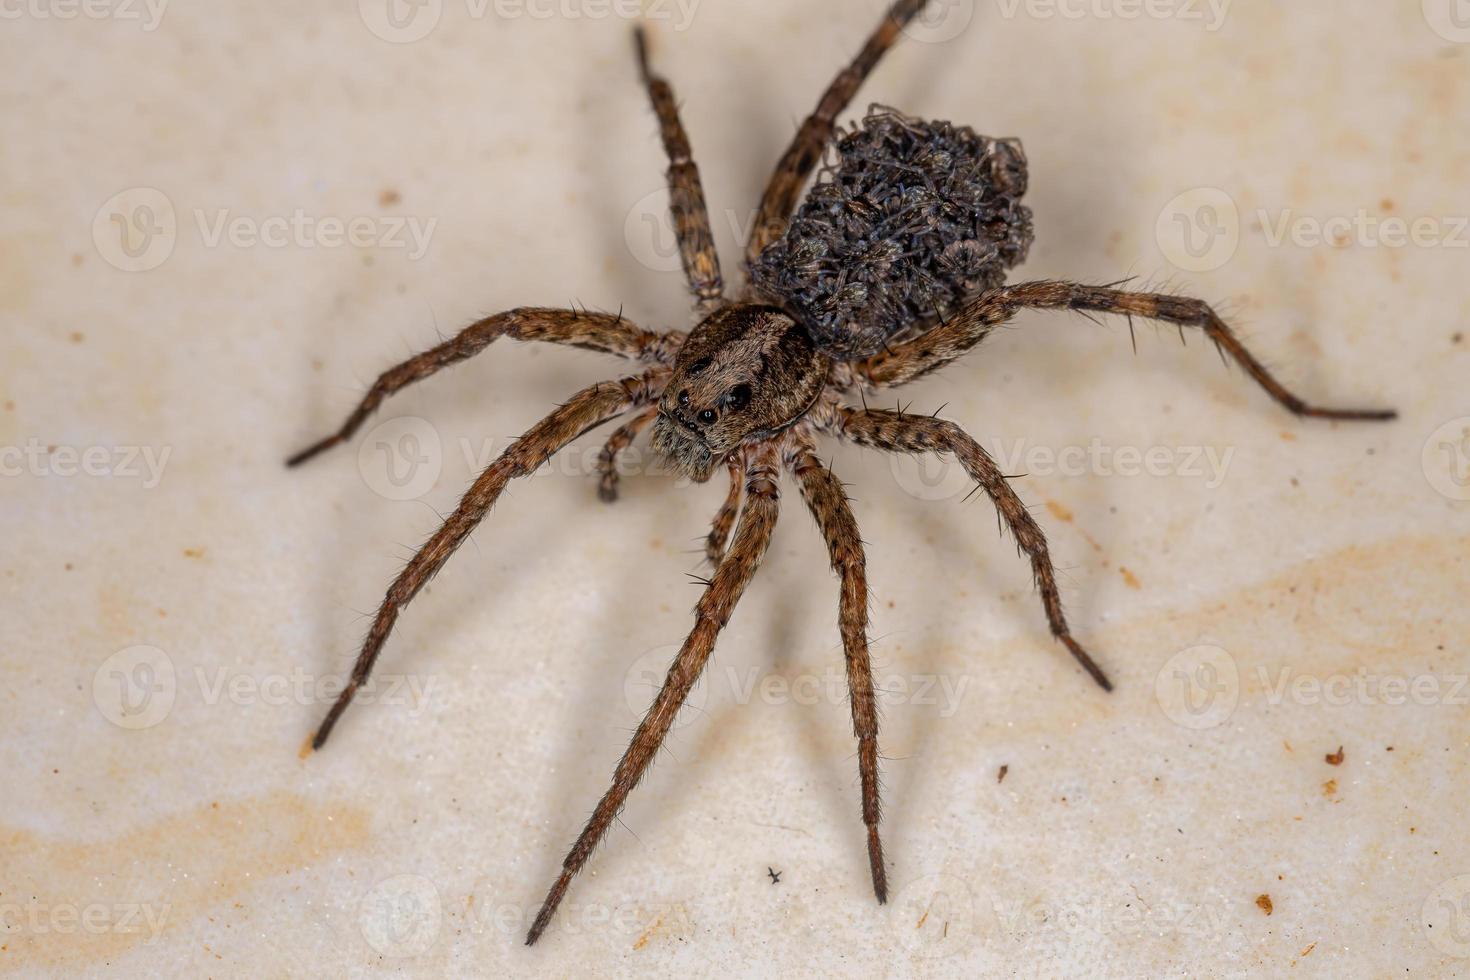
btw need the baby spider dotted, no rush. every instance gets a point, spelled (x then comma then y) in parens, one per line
(893, 266)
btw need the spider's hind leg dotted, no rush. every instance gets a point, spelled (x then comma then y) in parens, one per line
(829, 505)
(903, 433)
(937, 347)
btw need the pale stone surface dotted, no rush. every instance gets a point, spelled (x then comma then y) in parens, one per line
(1304, 586)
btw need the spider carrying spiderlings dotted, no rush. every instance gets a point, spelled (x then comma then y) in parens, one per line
(892, 266)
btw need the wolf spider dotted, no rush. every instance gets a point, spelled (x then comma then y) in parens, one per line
(836, 308)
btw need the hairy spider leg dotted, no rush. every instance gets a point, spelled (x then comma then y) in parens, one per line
(963, 330)
(752, 537)
(686, 192)
(719, 532)
(904, 433)
(590, 407)
(828, 502)
(801, 157)
(617, 443)
(605, 332)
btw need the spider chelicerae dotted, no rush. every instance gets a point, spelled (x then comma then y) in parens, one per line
(891, 267)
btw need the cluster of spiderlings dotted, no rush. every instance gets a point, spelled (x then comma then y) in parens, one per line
(909, 219)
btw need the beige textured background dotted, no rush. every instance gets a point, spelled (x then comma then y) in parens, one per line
(157, 817)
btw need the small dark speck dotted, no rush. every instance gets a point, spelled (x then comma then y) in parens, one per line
(389, 197)
(1001, 776)
(1457, 338)
(1334, 758)
(774, 875)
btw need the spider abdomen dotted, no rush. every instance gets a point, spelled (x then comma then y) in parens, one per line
(909, 219)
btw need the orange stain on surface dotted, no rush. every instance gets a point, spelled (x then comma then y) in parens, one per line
(168, 872)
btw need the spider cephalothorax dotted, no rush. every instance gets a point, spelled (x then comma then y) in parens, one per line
(892, 269)
(746, 372)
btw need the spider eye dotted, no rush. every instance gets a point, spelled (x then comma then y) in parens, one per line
(684, 398)
(707, 416)
(699, 365)
(739, 397)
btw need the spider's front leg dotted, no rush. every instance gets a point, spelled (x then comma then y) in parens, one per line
(724, 522)
(902, 433)
(752, 537)
(962, 331)
(830, 507)
(686, 192)
(588, 408)
(605, 332)
(620, 440)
